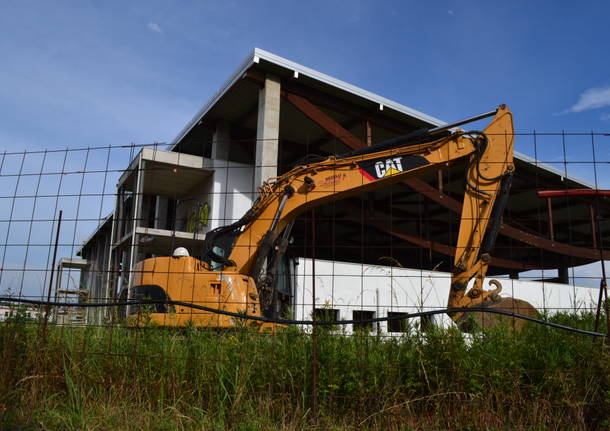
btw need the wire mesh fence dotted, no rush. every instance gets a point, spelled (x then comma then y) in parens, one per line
(348, 313)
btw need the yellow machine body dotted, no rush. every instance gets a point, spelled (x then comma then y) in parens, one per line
(186, 279)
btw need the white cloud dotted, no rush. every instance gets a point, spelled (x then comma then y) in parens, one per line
(153, 26)
(592, 98)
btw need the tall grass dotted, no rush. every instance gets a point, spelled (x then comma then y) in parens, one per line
(154, 378)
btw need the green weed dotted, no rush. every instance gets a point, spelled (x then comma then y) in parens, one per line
(155, 378)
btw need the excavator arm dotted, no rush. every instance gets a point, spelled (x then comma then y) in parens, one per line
(489, 157)
(239, 260)
(488, 180)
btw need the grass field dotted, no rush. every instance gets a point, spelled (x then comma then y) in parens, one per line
(116, 378)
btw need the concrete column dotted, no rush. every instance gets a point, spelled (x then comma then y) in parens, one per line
(221, 141)
(111, 265)
(137, 215)
(267, 130)
(161, 213)
(220, 156)
(218, 197)
(119, 215)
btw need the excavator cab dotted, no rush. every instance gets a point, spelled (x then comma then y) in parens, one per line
(275, 277)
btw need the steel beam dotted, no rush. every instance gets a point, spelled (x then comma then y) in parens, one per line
(507, 230)
(424, 243)
(324, 121)
(345, 136)
(321, 99)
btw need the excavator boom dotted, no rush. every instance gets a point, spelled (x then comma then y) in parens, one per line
(241, 251)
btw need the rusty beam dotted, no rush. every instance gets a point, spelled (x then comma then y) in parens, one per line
(580, 222)
(324, 120)
(381, 220)
(561, 205)
(572, 192)
(377, 222)
(372, 114)
(552, 246)
(345, 136)
(434, 194)
(575, 223)
(321, 99)
(507, 230)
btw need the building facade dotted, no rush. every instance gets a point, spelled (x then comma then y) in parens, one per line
(272, 114)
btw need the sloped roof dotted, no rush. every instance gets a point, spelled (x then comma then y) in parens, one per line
(267, 61)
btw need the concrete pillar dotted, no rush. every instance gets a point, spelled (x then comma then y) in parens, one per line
(267, 130)
(220, 156)
(137, 216)
(161, 213)
(110, 262)
(221, 141)
(119, 216)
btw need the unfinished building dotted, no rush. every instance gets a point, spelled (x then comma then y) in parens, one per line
(272, 114)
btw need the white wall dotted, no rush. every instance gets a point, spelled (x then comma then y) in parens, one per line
(232, 193)
(228, 191)
(348, 287)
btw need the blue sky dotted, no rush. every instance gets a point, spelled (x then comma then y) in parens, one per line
(79, 74)
(99, 73)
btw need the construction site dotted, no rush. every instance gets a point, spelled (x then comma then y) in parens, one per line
(272, 115)
(301, 215)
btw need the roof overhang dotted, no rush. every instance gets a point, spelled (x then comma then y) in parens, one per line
(265, 61)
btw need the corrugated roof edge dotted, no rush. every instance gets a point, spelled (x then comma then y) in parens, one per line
(314, 74)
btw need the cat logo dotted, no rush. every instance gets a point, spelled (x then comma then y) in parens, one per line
(388, 167)
(391, 166)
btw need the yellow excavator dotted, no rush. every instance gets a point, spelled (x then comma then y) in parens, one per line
(238, 271)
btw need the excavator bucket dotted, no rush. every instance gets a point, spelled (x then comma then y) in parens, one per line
(471, 321)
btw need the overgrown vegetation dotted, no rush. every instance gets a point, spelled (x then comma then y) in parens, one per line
(154, 378)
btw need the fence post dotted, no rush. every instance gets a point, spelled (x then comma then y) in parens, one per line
(48, 308)
(314, 335)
